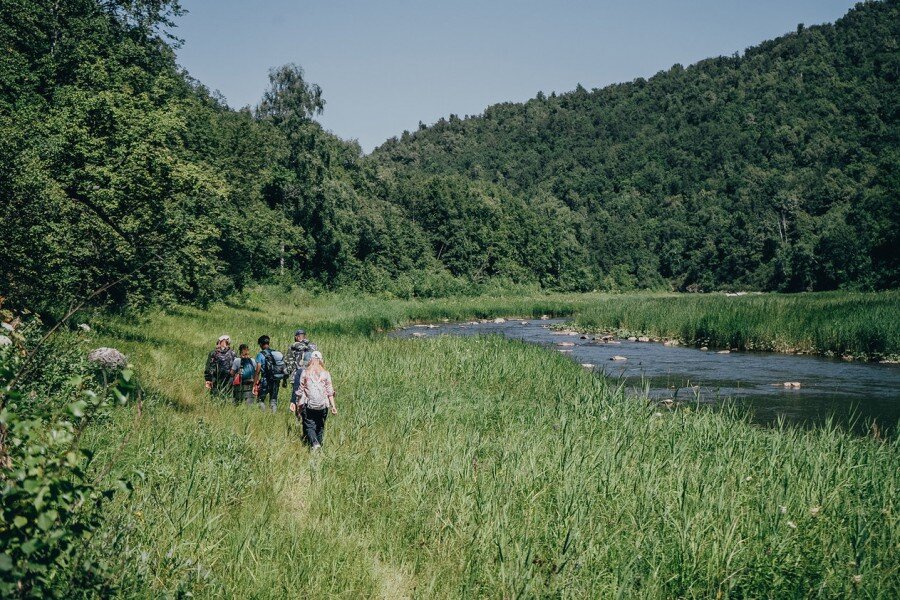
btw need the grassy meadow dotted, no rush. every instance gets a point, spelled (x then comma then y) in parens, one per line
(862, 325)
(476, 468)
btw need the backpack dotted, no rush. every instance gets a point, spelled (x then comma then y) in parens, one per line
(315, 396)
(223, 360)
(248, 369)
(275, 366)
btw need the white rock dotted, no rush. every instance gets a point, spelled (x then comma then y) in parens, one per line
(704, 348)
(632, 339)
(566, 344)
(7, 326)
(84, 327)
(724, 352)
(643, 338)
(563, 350)
(792, 384)
(108, 358)
(545, 317)
(617, 357)
(499, 320)
(524, 322)
(418, 334)
(588, 365)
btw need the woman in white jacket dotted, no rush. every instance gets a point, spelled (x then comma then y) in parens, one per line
(314, 398)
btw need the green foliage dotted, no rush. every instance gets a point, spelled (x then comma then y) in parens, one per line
(773, 170)
(51, 503)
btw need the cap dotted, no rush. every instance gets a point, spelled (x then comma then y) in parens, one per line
(224, 337)
(316, 354)
(299, 332)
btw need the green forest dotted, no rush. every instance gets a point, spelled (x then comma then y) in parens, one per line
(774, 169)
(142, 217)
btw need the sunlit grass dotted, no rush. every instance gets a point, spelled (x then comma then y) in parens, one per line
(863, 325)
(476, 467)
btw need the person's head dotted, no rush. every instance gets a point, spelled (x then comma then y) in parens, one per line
(316, 361)
(299, 335)
(263, 341)
(244, 349)
(224, 342)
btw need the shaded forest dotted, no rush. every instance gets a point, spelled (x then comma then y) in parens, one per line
(775, 170)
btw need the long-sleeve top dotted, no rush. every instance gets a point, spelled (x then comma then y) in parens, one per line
(218, 364)
(315, 390)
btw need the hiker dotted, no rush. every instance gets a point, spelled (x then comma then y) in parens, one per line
(270, 371)
(243, 372)
(218, 367)
(314, 397)
(298, 356)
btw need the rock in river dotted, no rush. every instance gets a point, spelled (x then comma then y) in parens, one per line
(617, 357)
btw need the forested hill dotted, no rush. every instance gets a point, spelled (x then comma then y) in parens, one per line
(776, 169)
(125, 180)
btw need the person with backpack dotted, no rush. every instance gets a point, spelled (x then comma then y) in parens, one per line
(270, 371)
(298, 356)
(218, 367)
(314, 398)
(244, 378)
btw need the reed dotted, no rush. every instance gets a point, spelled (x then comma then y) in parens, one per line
(470, 468)
(853, 325)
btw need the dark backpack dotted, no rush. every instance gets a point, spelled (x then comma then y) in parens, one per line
(219, 363)
(275, 366)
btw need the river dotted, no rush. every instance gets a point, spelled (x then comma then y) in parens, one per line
(854, 394)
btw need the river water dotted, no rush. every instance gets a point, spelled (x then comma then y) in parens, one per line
(854, 394)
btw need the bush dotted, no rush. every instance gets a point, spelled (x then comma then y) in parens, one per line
(50, 504)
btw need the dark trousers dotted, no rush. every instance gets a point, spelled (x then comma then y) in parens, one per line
(314, 424)
(270, 389)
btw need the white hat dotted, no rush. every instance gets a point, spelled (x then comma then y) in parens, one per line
(224, 337)
(315, 354)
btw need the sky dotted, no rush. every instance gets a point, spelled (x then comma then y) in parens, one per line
(385, 65)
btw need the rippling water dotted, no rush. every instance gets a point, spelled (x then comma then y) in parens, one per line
(853, 393)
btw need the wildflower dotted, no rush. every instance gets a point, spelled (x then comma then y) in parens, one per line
(814, 511)
(792, 525)
(749, 478)
(657, 414)
(857, 579)
(782, 510)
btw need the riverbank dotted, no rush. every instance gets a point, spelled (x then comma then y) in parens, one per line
(484, 468)
(849, 325)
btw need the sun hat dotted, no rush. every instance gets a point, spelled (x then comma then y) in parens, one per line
(224, 337)
(315, 354)
(299, 332)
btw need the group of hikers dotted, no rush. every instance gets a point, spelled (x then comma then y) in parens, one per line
(253, 380)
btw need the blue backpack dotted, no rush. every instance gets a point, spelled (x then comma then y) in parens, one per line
(248, 370)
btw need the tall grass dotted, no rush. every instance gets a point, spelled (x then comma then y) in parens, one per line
(473, 468)
(862, 325)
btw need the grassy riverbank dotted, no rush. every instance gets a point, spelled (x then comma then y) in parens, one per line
(477, 468)
(853, 325)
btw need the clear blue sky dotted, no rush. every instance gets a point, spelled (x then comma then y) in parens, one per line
(385, 65)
